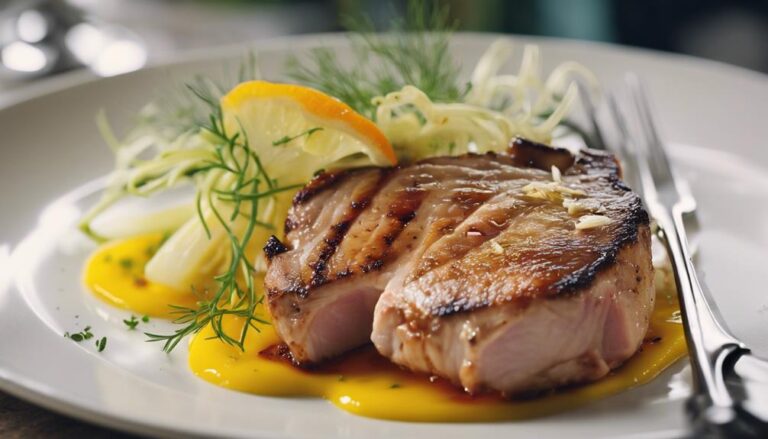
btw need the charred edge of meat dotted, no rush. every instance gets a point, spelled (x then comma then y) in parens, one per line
(606, 165)
(339, 230)
(572, 283)
(628, 234)
(582, 278)
(274, 247)
(278, 352)
(589, 162)
(593, 162)
(325, 180)
(281, 353)
(528, 154)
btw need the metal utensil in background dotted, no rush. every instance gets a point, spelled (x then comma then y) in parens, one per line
(39, 38)
(731, 385)
(42, 37)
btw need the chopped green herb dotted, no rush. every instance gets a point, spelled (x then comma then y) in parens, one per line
(77, 337)
(410, 109)
(318, 172)
(101, 343)
(145, 319)
(395, 386)
(131, 323)
(286, 139)
(126, 263)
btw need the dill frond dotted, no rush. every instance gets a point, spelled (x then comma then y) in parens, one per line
(236, 293)
(413, 51)
(185, 109)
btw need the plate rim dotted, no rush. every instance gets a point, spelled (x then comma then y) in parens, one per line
(36, 393)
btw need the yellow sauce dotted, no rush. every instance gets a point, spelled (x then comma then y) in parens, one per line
(115, 274)
(364, 383)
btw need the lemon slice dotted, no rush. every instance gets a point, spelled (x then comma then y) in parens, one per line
(297, 130)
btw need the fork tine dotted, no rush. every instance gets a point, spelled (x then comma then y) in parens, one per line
(656, 154)
(652, 144)
(626, 150)
(598, 136)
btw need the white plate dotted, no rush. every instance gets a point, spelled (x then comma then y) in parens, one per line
(50, 145)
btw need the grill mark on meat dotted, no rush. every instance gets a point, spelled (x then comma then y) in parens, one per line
(294, 288)
(320, 182)
(422, 235)
(404, 207)
(399, 213)
(336, 233)
(588, 167)
(479, 237)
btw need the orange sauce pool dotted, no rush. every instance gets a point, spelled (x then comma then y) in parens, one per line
(362, 382)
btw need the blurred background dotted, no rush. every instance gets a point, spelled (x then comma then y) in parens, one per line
(42, 38)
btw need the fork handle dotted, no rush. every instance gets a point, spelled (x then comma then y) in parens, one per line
(746, 419)
(715, 410)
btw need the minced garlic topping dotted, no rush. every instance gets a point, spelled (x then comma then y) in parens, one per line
(592, 221)
(557, 192)
(552, 191)
(578, 207)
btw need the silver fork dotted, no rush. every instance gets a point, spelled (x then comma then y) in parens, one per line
(731, 385)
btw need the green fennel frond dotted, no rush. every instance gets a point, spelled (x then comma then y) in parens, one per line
(413, 51)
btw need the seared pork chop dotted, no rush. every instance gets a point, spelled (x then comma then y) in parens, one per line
(490, 270)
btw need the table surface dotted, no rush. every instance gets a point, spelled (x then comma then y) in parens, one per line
(19, 419)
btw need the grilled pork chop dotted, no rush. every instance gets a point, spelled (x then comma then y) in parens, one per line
(489, 270)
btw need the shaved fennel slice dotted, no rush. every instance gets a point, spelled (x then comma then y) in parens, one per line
(498, 108)
(419, 128)
(191, 259)
(119, 224)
